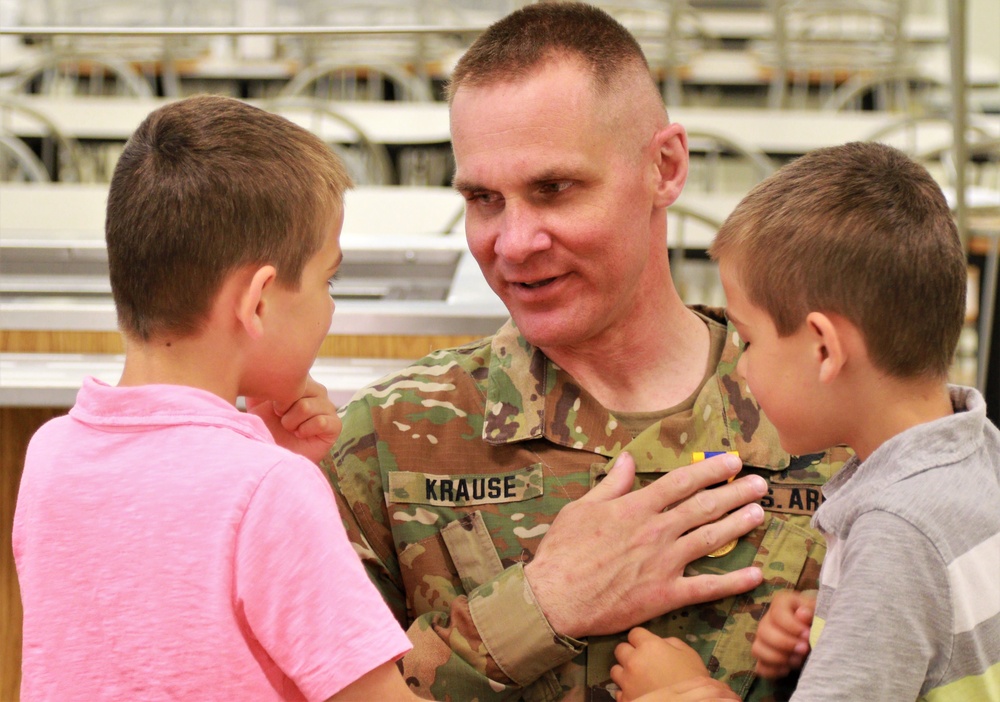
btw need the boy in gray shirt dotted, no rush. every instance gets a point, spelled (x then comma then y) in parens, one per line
(846, 280)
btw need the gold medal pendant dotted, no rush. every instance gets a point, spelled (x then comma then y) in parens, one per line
(724, 549)
(701, 456)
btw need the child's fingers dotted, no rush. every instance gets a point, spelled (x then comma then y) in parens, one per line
(805, 612)
(638, 635)
(776, 661)
(295, 416)
(617, 672)
(771, 656)
(312, 392)
(771, 672)
(776, 638)
(784, 618)
(326, 426)
(624, 652)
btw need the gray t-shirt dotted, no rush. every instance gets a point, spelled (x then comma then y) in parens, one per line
(909, 599)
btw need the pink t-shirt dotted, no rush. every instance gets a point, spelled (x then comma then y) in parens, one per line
(168, 549)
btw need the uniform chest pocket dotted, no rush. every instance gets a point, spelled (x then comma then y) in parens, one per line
(445, 548)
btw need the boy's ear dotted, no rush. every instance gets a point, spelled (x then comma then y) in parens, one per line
(830, 346)
(252, 302)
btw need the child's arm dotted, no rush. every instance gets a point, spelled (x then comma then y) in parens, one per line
(308, 426)
(667, 667)
(782, 640)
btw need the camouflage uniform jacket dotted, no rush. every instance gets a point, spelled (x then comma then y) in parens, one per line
(449, 473)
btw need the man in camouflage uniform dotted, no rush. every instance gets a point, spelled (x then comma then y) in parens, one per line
(477, 485)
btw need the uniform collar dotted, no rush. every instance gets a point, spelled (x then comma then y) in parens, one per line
(530, 397)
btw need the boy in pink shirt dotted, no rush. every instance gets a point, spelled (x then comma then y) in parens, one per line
(167, 544)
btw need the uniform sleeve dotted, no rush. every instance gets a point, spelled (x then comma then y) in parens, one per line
(888, 618)
(301, 589)
(490, 643)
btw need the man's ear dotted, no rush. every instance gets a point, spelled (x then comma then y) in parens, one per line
(671, 157)
(830, 347)
(252, 303)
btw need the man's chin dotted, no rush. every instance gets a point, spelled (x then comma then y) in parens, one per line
(544, 329)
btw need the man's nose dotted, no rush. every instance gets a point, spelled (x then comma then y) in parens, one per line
(522, 233)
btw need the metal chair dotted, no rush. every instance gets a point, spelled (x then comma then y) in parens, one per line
(696, 280)
(58, 153)
(417, 50)
(929, 140)
(719, 163)
(819, 44)
(906, 91)
(65, 73)
(722, 162)
(331, 79)
(18, 163)
(367, 162)
(155, 58)
(671, 33)
(982, 178)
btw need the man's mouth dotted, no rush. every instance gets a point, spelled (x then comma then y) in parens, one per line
(536, 284)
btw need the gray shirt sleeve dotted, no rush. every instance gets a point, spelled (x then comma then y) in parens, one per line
(889, 619)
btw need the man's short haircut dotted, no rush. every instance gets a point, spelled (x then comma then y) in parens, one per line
(516, 44)
(862, 231)
(206, 186)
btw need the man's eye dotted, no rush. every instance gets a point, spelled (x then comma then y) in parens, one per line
(555, 187)
(482, 198)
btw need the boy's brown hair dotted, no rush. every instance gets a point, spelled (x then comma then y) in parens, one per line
(863, 231)
(519, 42)
(205, 186)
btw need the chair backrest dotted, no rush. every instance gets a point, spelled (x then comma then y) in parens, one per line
(368, 162)
(18, 163)
(331, 79)
(721, 162)
(671, 33)
(695, 278)
(153, 57)
(904, 90)
(819, 44)
(59, 153)
(64, 73)
(418, 50)
(982, 167)
(930, 140)
(926, 137)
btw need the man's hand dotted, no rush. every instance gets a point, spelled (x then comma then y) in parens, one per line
(782, 640)
(614, 558)
(307, 426)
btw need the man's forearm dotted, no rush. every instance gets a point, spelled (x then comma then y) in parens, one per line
(490, 645)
